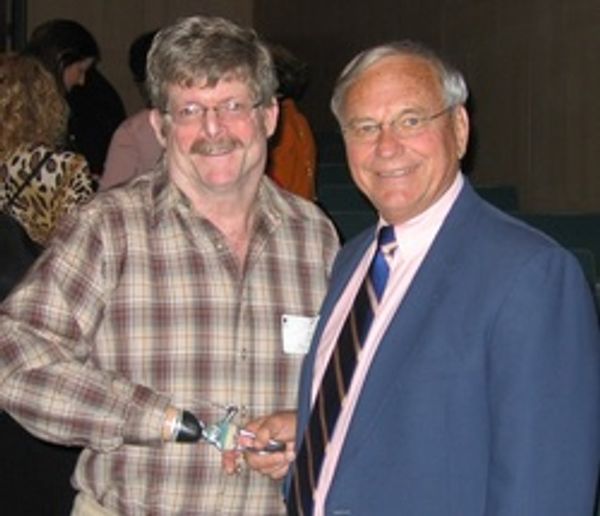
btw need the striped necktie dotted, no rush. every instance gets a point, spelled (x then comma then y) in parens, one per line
(337, 378)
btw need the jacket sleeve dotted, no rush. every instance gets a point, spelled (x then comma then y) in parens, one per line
(544, 393)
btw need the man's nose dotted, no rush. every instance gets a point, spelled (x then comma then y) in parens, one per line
(388, 142)
(211, 122)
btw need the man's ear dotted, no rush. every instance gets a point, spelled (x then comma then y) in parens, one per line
(158, 124)
(461, 130)
(271, 113)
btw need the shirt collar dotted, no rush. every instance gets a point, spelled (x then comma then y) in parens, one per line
(418, 232)
(166, 197)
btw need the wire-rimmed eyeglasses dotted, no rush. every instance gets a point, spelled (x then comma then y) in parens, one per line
(226, 112)
(405, 125)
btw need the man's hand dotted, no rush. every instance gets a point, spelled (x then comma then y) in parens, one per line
(280, 426)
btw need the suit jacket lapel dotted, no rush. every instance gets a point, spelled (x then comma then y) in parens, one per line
(402, 336)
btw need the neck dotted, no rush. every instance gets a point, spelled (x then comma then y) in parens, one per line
(236, 226)
(232, 208)
(232, 215)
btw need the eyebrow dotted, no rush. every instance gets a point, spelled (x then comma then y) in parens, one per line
(405, 111)
(221, 101)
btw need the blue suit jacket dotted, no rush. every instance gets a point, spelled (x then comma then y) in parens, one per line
(484, 395)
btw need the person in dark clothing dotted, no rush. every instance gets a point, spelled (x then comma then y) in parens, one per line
(40, 183)
(71, 54)
(96, 112)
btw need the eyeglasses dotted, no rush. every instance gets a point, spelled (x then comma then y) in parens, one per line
(405, 125)
(227, 112)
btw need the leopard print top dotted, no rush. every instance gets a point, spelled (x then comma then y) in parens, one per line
(63, 182)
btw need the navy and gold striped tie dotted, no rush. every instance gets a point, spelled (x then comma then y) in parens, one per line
(337, 378)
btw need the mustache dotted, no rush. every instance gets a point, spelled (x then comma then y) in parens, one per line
(214, 147)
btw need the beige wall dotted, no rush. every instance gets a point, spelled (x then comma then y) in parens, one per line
(115, 23)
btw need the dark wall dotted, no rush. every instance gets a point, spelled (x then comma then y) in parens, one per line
(328, 34)
(12, 24)
(533, 68)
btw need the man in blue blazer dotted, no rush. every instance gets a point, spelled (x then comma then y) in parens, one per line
(477, 389)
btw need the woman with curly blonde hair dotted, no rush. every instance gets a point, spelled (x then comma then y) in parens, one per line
(42, 121)
(39, 182)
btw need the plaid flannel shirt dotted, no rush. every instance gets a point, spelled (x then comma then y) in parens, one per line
(138, 304)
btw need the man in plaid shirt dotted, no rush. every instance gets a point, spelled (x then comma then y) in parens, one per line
(193, 288)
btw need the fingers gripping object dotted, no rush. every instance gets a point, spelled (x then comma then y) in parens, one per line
(271, 447)
(224, 436)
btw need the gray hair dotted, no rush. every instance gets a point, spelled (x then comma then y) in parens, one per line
(201, 49)
(454, 87)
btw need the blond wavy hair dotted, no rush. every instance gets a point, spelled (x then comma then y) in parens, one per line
(32, 110)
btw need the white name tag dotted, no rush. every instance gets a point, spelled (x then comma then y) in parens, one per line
(297, 332)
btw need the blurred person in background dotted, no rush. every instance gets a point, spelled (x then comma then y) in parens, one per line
(71, 54)
(134, 148)
(292, 149)
(39, 185)
(40, 182)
